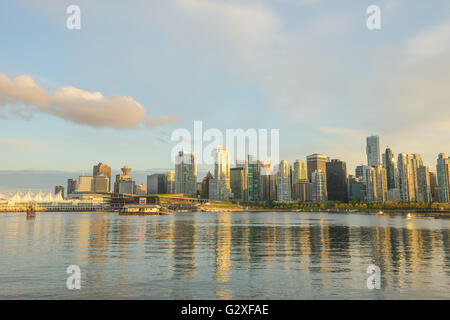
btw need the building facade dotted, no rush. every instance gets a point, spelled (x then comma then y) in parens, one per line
(318, 185)
(336, 171)
(373, 150)
(284, 182)
(186, 174)
(443, 177)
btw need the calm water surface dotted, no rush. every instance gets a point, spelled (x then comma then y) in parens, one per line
(223, 256)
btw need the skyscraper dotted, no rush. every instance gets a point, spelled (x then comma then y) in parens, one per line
(424, 184)
(106, 170)
(238, 183)
(220, 188)
(381, 181)
(124, 183)
(156, 183)
(284, 182)
(318, 185)
(373, 150)
(389, 165)
(170, 182)
(186, 174)
(252, 179)
(370, 183)
(265, 177)
(100, 183)
(316, 162)
(300, 172)
(71, 186)
(301, 191)
(434, 187)
(85, 183)
(407, 171)
(59, 189)
(443, 177)
(205, 185)
(337, 180)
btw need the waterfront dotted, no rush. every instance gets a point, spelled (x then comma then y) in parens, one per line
(239, 255)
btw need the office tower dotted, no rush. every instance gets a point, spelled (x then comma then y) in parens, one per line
(156, 183)
(337, 180)
(252, 179)
(316, 162)
(393, 195)
(170, 182)
(141, 190)
(318, 185)
(381, 179)
(407, 170)
(356, 189)
(389, 165)
(105, 169)
(238, 183)
(424, 184)
(244, 165)
(205, 185)
(219, 188)
(370, 184)
(301, 190)
(59, 189)
(359, 171)
(100, 183)
(284, 182)
(443, 177)
(299, 172)
(72, 186)
(373, 151)
(84, 183)
(434, 187)
(265, 181)
(124, 183)
(186, 174)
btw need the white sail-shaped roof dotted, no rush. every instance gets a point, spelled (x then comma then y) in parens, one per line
(3, 196)
(58, 197)
(48, 198)
(27, 197)
(15, 197)
(38, 197)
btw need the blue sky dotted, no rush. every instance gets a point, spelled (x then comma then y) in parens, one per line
(309, 68)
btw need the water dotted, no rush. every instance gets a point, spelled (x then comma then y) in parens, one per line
(279, 255)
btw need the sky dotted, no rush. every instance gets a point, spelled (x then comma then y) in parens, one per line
(114, 90)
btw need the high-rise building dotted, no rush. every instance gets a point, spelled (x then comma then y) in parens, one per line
(100, 183)
(443, 177)
(84, 183)
(300, 172)
(141, 189)
(407, 170)
(238, 183)
(156, 183)
(337, 180)
(316, 162)
(72, 186)
(373, 151)
(389, 165)
(170, 182)
(106, 170)
(265, 175)
(381, 180)
(253, 179)
(370, 184)
(424, 184)
(318, 185)
(356, 189)
(301, 191)
(434, 187)
(59, 189)
(393, 195)
(284, 182)
(124, 183)
(205, 185)
(359, 171)
(219, 188)
(186, 174)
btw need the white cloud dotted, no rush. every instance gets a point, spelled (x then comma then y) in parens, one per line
(76, 105)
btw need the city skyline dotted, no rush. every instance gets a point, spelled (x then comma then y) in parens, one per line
(319, 105)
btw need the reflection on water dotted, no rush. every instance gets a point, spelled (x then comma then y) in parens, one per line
(223, 256)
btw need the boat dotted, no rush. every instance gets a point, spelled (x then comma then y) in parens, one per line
(140, 210)
(380, 212)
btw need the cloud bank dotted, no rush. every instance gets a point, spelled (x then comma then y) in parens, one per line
(75, 105)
